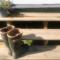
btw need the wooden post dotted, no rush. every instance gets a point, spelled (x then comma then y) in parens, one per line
(45, 23)
(9, 23)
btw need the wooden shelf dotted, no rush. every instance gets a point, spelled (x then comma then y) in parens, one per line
(33, 17)
(41, 34)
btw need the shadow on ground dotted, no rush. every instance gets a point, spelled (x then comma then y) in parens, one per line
(26, 50)
(23, 51)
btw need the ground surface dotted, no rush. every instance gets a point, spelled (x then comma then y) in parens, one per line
(34, 52)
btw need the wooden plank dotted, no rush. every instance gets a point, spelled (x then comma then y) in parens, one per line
(41, 34)
(34, 53)
(33, 17)
(38, 14)
(42, 52)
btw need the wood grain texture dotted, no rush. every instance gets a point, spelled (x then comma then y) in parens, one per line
(43, 52)
(27, 16)
(41, 34)
(34, 53)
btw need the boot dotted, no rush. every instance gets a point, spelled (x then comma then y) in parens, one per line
(14, 38)
(4, 36)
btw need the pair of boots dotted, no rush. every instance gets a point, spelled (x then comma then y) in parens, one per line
(12, 38)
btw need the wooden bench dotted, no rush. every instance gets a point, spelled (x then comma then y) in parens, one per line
(37, 34)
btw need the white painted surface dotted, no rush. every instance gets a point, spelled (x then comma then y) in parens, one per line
(36, 1)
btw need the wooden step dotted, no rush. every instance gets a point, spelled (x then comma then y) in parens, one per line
(26, 16)
(41, 34)
(34, 53)
(42, 52)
